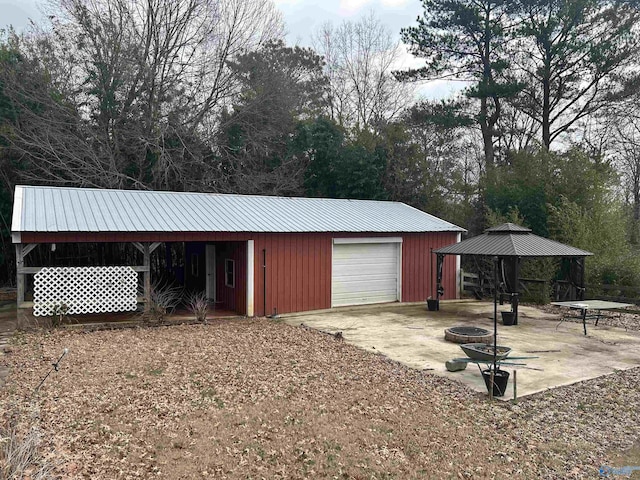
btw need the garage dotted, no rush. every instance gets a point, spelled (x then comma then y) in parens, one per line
(366, 270)
(274, 255)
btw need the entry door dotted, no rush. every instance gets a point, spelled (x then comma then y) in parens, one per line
(211, 271)
(365, 273)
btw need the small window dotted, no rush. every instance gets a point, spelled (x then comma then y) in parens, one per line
(229, 273)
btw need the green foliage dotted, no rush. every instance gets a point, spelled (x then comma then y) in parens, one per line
(10, 58)
(339, 168)
(467, 40)
(574, 57)
(323, 141)
(600, 229)
(566, 197)
(451, 36)
(534, 182)
(428, 164)
(495, 218)
(260, 151)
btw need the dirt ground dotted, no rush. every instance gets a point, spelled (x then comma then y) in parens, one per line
(262, 399)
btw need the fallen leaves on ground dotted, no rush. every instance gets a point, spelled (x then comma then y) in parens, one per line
(261, 399)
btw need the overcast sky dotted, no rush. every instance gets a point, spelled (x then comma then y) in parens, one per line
(18, 13)
(301, 17)
(304, 16)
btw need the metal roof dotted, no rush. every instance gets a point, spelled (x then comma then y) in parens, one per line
(62, 209)
(508, 227)
(509, 240)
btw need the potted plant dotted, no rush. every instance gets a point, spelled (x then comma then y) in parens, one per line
(500, 380)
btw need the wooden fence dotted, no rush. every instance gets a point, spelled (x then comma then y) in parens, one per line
(473, 285)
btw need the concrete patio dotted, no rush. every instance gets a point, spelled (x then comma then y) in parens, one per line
(410, 334)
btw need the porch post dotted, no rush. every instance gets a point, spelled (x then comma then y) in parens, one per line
(146, 250)
(250, 277)
(20, 285)
(22, 250)
(146, 263)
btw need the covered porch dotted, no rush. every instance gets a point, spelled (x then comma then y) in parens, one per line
(111, 275)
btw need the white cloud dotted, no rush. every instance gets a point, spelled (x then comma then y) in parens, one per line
(433, 90)
(348, 7)
(279, 3)
(440, 89)
(394, 3)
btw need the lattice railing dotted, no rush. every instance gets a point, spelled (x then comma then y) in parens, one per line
(84, 290)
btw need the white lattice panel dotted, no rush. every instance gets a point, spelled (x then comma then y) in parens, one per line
(85, 290)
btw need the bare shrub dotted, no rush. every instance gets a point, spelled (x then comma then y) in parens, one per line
(198, 304)
(60, 312)
(163, 299)
(20, 453)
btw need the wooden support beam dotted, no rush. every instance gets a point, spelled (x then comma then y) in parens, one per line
(26, 249)
(146, 249)
(29, 270)
(146, 262)
(33, 270)
(20, 284)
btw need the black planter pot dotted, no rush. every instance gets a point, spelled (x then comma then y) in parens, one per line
(433, 305)
(500, 380)
(508, 318)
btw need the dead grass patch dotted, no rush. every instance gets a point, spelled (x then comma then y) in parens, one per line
(259, 399)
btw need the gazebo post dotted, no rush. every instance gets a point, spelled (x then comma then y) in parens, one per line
(495, 316)
(439, 262)
(515, 294)
(576, 278)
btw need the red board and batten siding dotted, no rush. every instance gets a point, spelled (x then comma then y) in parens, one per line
(298, 272)
(298, 264)
(299, 269)
(419, 269)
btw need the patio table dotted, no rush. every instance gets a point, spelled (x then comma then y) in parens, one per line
(598, 306)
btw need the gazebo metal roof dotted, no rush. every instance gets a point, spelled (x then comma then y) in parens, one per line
(510, 240)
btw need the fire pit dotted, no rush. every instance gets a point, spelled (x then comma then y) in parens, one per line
(467, 335)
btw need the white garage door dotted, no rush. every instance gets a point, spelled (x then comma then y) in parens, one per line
(365, 272)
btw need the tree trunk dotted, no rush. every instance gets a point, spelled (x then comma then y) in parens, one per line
(546, 103)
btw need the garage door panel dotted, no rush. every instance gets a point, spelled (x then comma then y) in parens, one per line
(365, 273)
(358, 270)
(346, 251)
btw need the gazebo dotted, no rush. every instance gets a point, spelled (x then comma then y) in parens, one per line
(509, 244)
